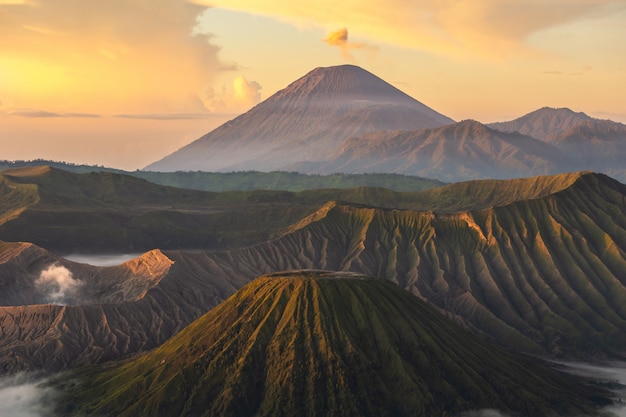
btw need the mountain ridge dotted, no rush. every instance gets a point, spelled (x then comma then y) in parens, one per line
(541, 275)
(454, 152)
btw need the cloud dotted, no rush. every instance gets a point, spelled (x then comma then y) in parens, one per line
(238, 97)
(43, 113)
(556, 72)
(489, 28)
(339, 38)
(110, 56)
(22, 395)
(57, 284)
(33, 113)
(168, 116)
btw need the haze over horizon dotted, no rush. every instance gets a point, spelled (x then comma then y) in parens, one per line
(123, 84)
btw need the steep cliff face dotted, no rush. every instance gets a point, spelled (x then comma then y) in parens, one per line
(314, 343)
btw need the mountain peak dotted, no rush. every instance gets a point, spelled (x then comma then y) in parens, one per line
(308, 120)
(561, 111)
(543, 122)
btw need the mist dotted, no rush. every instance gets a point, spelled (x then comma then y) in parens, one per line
(102, 260)
(612, 372)
(487, 412)
(25, 395)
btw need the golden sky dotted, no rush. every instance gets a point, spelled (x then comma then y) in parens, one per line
(125, 82)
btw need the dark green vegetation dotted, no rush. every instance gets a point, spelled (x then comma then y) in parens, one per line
(111, 212)
(318, 344)
(248, 180)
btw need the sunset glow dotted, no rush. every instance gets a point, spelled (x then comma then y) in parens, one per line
(178, 68)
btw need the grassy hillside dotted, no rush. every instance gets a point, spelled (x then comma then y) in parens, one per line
(318, 344)
(543, 275)
(96, 212)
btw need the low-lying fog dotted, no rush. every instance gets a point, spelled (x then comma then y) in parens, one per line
(101, 260)
(27, 396)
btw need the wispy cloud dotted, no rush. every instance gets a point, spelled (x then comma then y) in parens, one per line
(490, 28)
(168, 116)
(43, 113)
(556, 72)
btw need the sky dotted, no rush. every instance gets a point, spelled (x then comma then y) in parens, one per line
(123, 83)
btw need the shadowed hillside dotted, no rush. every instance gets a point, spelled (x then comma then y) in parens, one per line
(324, 344)
(543, 274)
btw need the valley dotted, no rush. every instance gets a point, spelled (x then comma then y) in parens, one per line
(352, 252)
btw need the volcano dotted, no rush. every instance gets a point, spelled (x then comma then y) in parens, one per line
(306, 121)
(321, 343)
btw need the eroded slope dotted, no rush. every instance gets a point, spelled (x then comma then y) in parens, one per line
(325, 344)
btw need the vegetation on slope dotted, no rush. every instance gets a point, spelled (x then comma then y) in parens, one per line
(101, 211)
(543, 275)
(314, 344)
(248, 180)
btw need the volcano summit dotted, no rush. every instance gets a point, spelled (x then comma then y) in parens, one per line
(306, 121)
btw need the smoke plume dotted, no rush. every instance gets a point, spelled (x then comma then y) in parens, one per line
(57, 283)
(339, 38)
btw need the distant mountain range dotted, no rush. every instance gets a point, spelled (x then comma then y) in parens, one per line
(344, 119)
(456, 152)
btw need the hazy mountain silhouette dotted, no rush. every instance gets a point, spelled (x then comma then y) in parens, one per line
(455, 152)
(307, 120)
(586, 143)
(543, 122)
(325, 344)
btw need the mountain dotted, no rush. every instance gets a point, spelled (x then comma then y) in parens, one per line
(587, 143)
(325, 344)
(533, 264)
(56, 314)
(305, 121)
(455, 152)
(543, 122)
(599, 144)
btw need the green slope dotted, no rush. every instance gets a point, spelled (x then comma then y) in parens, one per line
(96, 212)
(319, 344)
(544, 275)
(248, 180)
